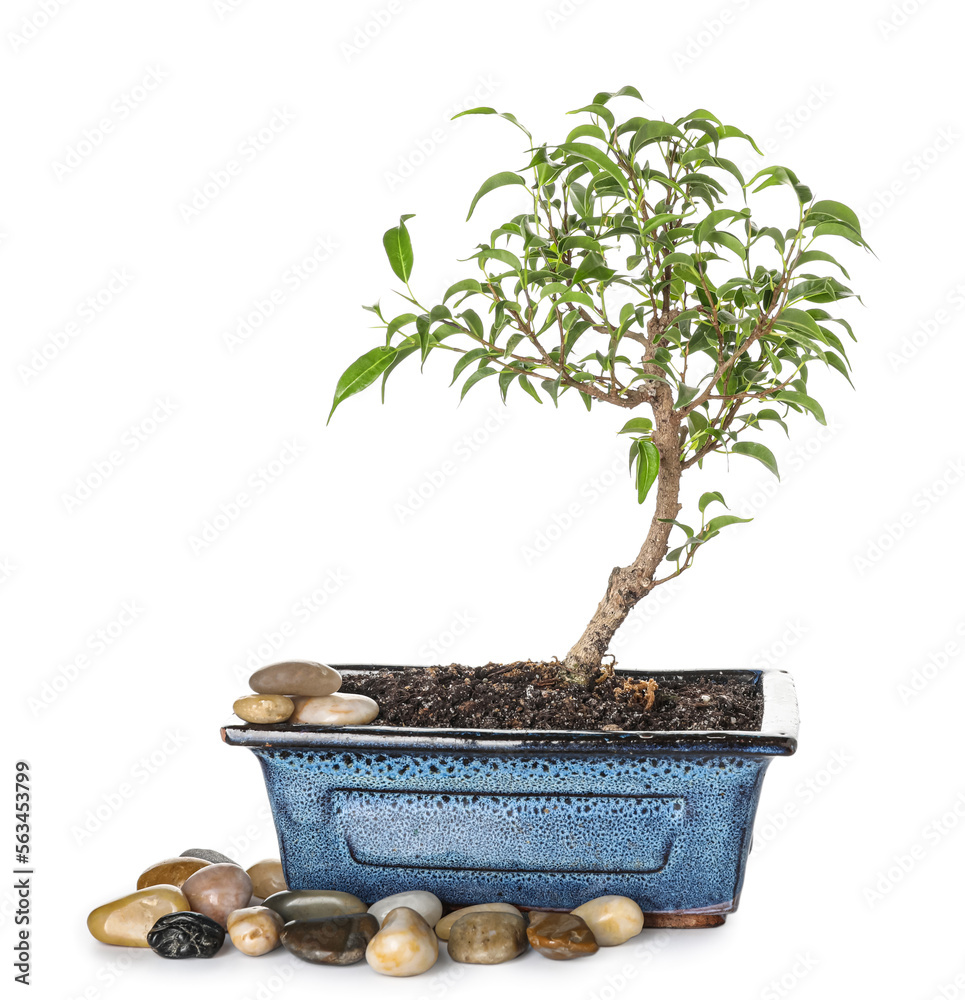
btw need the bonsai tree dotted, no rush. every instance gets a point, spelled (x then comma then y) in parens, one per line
(634, 275)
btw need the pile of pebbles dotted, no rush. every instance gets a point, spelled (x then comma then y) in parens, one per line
(187, 906)
(301, 692)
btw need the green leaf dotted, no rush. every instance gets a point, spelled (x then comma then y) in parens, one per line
(638, 425)
(466, 285)
(839, 229)
(466, 360)
(585, 151)
(398, 248)
(596, 109)
(474, 323)
(574, 295)
(493, 111)
(361, 374)
(837, 211)
(716, 523)
(804, 401)
(496, 181)
(758, 451)
(605, 96)
(809, 255)
(706, 499)
(651, 131)
(648, 467)
(477, 376)
(505, 380)
(530, 388)
(503, 256)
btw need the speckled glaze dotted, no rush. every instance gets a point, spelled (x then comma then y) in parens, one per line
(546, 819)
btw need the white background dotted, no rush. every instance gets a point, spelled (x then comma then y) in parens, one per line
(848, 577)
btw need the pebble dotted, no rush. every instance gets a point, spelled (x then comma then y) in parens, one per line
(215, 857)
(267, 878)
(613, 919)
(170, 871)
(335, 710)
(126, 921)
(443, 926)
(186, 935)
(487, 938)
(255, 930)
(217, 890)
(335, 941)
(560, 935)
(427, 905)
(314, 904)
(405, 946)
(263, 708)
(296, 677)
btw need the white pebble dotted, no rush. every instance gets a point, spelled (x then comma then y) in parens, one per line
(428, 906)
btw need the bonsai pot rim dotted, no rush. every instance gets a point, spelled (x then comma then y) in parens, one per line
(777, 736)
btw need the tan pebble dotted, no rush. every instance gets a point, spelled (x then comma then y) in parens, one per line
(170, 871)
(302, 677)
(267, 878)
(335, 710)
(442, 927)
(405, 946)
(217, 890)
(255, 930)
(262, 709)
(127, 920)
(613, 919)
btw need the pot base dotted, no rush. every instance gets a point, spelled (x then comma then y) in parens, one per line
(667, 920)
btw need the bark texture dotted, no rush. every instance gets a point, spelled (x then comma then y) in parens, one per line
(630, 584)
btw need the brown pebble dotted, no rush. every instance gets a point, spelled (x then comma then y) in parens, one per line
(560, 935)
(255, 930)
(267, 878)
(170, 871)
(217, 890)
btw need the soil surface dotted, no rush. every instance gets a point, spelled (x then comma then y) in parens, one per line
(527, 695)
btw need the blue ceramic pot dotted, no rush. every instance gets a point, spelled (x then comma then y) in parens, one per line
(540, 818)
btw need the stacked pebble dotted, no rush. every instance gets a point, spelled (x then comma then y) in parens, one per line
(301, 692)
(185, 907)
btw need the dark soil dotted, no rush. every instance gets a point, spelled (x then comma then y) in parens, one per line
(527, 695)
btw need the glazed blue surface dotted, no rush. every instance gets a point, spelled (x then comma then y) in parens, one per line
(546, 820)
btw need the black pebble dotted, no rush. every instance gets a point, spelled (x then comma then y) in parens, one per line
(186, 935)
(215, 857)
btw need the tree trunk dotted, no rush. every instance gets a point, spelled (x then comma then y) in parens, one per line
(630, 584)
